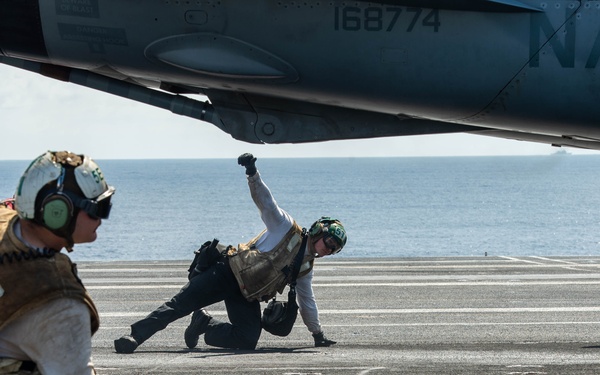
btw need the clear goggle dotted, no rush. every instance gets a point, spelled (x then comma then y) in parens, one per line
(97, 208)
(331, 244)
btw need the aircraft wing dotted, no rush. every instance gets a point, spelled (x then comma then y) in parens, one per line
(292, 72)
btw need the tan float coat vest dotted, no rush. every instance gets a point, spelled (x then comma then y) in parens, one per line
(29, 283)
(261, 275)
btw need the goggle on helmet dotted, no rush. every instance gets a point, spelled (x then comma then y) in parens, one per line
(330, 227)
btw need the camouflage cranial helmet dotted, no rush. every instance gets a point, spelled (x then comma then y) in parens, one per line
(56, 185)
(332, 227)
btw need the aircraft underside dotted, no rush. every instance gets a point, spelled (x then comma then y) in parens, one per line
(291, 72)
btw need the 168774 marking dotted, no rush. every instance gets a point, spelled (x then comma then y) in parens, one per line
(387, 19)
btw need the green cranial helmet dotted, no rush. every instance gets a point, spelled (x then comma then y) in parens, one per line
(330, 227)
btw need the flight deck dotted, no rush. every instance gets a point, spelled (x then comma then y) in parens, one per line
(463, 315)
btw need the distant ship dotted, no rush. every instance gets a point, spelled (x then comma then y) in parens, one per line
(561, 152)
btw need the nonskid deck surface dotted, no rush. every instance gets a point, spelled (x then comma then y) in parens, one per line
(480, 315)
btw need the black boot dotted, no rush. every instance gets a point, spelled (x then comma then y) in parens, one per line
(126, 344)
(197, 327)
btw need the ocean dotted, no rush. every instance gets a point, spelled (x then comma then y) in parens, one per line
(390, 207)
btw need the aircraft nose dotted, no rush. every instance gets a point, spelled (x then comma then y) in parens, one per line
(21, 29)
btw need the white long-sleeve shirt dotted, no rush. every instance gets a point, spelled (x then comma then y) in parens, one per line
(278, 223)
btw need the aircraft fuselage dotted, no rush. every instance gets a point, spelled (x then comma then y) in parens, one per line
(528, 69)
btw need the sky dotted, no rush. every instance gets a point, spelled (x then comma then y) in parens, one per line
(39, 113)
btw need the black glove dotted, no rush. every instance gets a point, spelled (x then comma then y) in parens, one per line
(321, 340)
(247, 160)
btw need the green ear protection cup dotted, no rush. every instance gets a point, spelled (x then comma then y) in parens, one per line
(317, 227)
(57, 211)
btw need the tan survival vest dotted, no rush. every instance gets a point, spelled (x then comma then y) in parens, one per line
(28, 280)
(262, 275)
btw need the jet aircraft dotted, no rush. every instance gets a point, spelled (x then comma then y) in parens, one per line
(281, 71)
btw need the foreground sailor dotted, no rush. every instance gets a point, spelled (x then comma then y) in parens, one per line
(46, 316)
(242, 281)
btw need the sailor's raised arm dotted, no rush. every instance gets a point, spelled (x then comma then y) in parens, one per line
(271, 214)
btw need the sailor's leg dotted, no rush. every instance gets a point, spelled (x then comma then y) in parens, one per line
(205, 289)
(244, 330)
